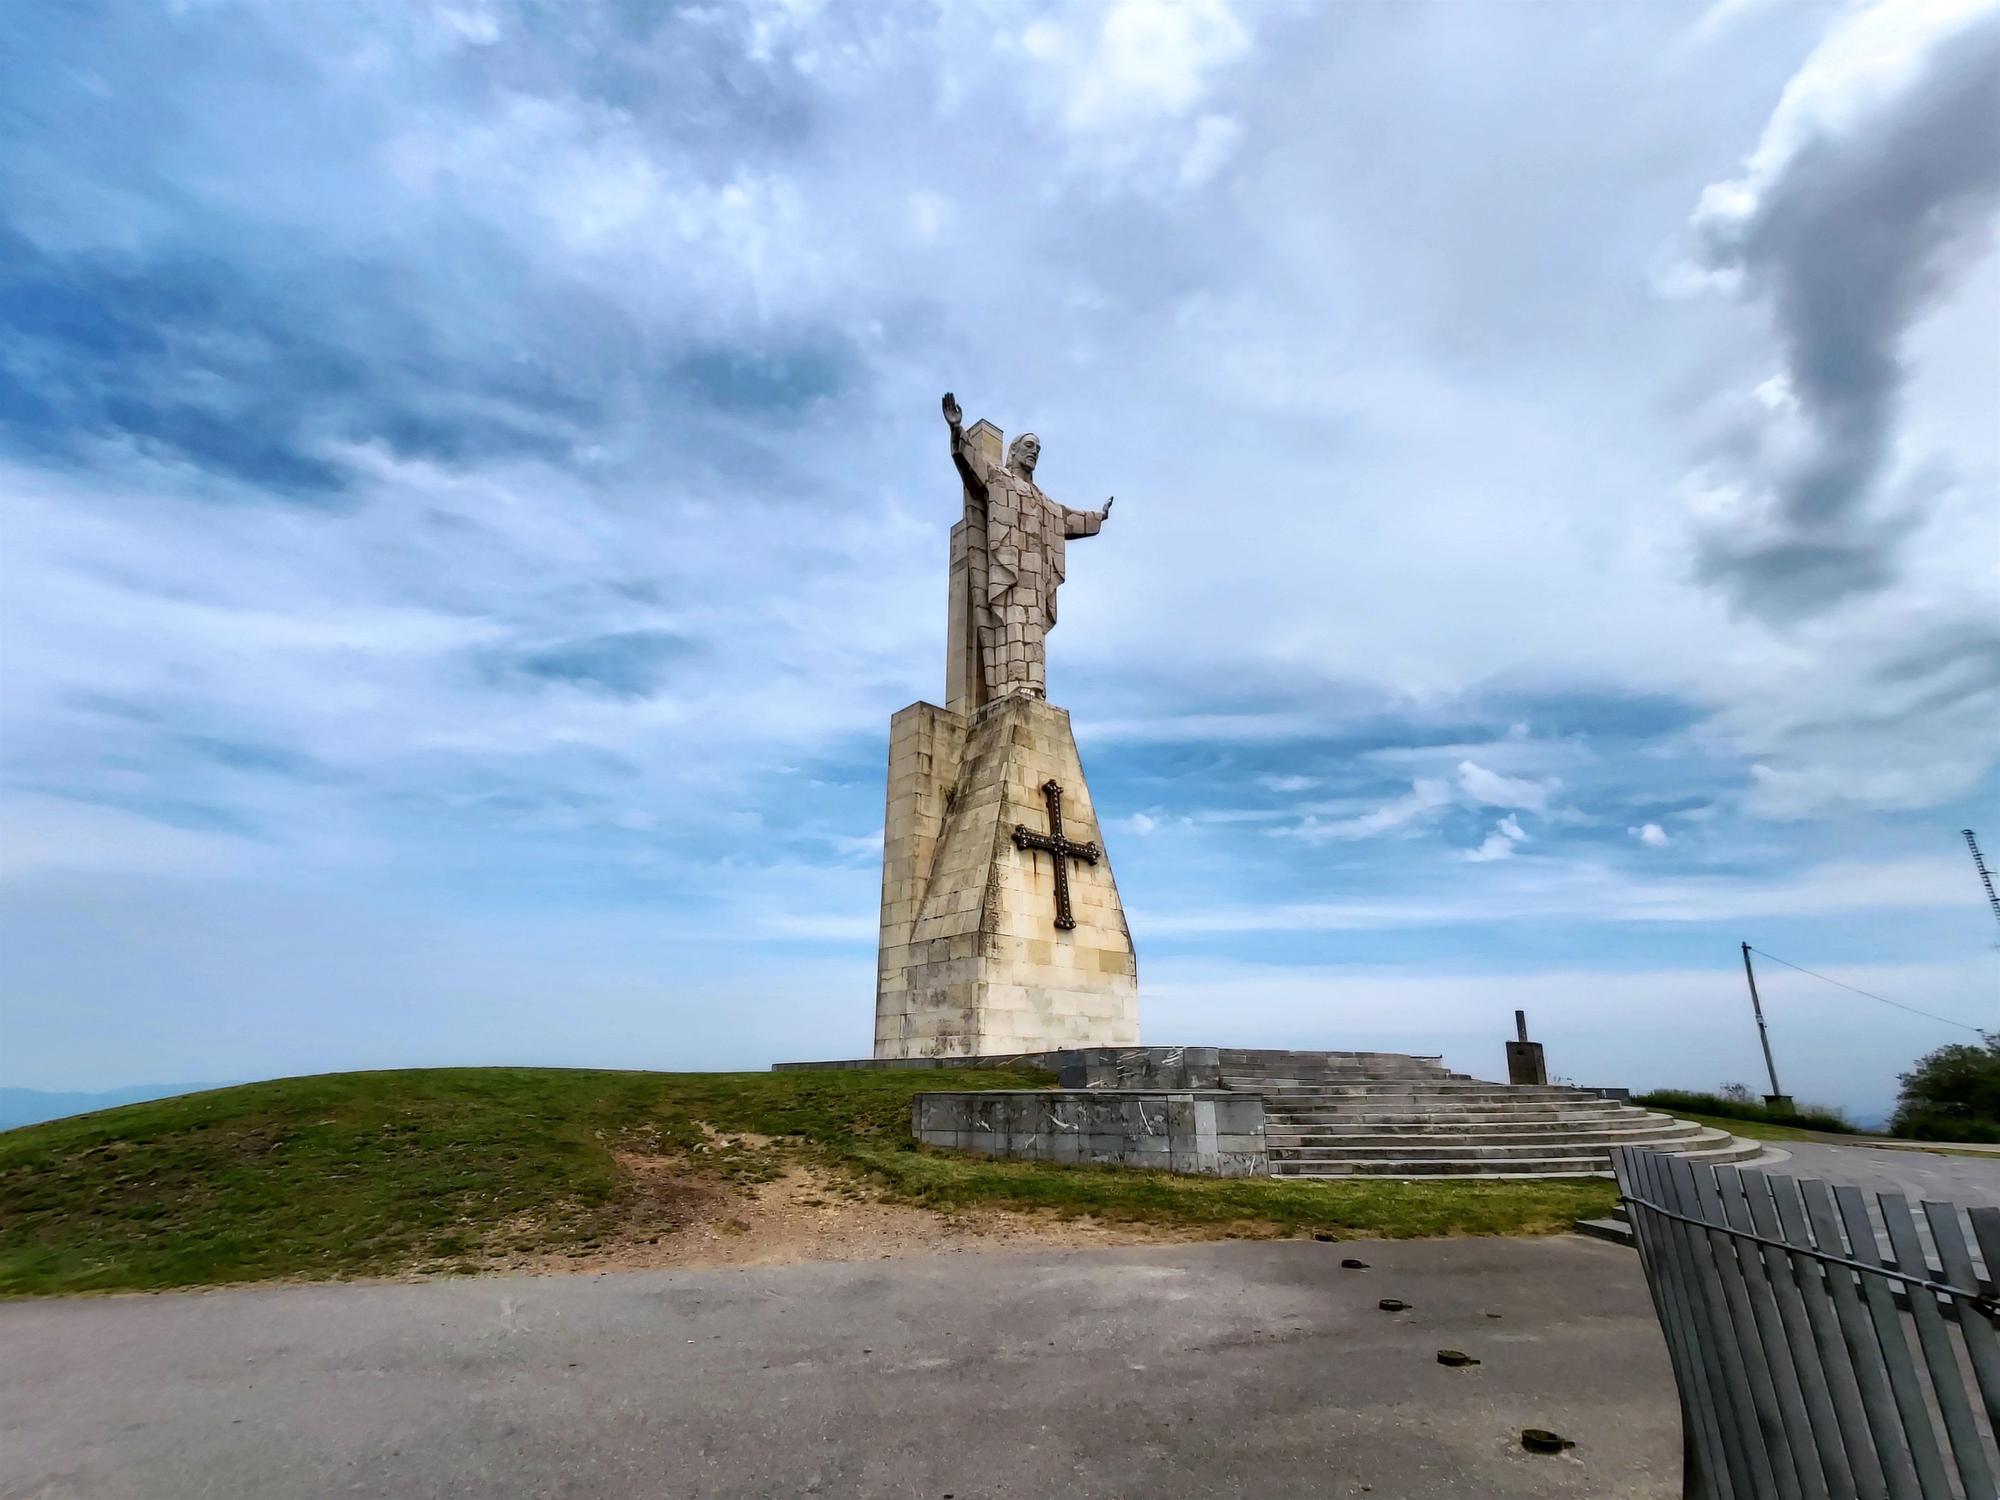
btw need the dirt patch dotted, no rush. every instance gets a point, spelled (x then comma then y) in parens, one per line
(805, 1212)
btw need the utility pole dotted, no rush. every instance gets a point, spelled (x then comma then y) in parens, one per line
(1777, 1099)
(1979, 864)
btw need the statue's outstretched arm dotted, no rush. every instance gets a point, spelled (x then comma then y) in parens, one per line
(1078, 523)
(970, 468)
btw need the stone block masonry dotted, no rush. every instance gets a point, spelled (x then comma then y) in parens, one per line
(1211, 1133)
(1175, 1068)
(972, 962)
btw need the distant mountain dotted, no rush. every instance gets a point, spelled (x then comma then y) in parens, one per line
(32, 1106)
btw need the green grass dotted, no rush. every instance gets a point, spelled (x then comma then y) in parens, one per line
(1814, 1118)
(1376, 1208)
(356, 1174)
(1759, 1130)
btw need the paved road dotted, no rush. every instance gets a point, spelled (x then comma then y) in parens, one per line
(1205, 1370)
(1968, 1181)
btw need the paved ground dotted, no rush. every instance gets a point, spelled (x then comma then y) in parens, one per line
(1207, 1370)
(1968, 1181)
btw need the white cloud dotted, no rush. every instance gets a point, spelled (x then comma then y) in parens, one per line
(1652, 835)
(1792, 793)
(474, 25)
(1473, 786)
(1215, 140)
(1424, 799)
(865, 846)
(1486, 788)
(47, 835)
(929, 212)
(1142, 823)
(1290, 783)
(1720, 17)
(1148, 59)
(849, 927)
(1129, 80)
(1499, 844)
(1553, 890)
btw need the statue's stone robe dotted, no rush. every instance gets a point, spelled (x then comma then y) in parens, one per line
(1025, 536)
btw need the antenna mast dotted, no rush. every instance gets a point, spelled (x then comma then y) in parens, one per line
(1979, 864)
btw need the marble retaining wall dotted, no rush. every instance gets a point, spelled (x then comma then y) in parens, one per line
(1210, 1132)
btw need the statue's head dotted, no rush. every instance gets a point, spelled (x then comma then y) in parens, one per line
(1022, 453)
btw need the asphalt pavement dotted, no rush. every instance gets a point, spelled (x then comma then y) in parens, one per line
(1231, 1369)
(1968, 1181)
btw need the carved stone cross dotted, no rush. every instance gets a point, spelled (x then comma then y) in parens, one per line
(1061, 848)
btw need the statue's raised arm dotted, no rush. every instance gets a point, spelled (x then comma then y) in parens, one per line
(971, 468)
(1078, 523)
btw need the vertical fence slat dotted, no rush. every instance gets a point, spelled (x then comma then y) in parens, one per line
(1940, 1356)
(1980, 1345)
(1741, 1413)
(1738, 1290)
(1863, 1348)
(1798, 1374)
(1732, 1476)
(1705, 1457)
(1986, 1229)
(1801, 1451)
(1701, 1457)
(1855, 1437)
(1835, 1476)
(1903, 1385)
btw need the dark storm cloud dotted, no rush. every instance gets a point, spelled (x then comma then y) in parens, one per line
(251, 376)
(1864, 202)
(679, 68)
(164, 295)
(626, 664)
(170, 355)
(781, 382)
(262, 379)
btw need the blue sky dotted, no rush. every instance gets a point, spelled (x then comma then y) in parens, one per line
(473, 494)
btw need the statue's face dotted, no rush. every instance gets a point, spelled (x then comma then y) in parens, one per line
(1029, 450)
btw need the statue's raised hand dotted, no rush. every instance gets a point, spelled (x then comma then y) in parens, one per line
(1107, 508)
(951, 412)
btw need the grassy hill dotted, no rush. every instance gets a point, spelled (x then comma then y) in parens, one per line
(353, 1174)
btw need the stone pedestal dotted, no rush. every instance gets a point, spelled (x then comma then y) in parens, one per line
(1525, 1063)
(972, 962)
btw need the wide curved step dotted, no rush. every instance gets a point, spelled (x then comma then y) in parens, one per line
(1349, 1114)
(1666, 1133)
(1616, 1126)
(1579, 1159)
(1696, 1138)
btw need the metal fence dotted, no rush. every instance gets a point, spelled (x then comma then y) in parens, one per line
(1811, 1364)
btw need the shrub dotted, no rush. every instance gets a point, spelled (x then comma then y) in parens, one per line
(1952, 1094)
(1733, 1104)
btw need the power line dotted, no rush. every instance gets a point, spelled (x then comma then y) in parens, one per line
(1927, 1015)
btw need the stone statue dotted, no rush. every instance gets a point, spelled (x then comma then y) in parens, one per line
(1019, 552)
(1002, 930)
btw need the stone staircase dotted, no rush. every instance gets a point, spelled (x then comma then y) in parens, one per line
(1381, 1114)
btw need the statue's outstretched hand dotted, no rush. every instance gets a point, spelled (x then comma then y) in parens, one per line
(951, 412)
(1107, 508)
